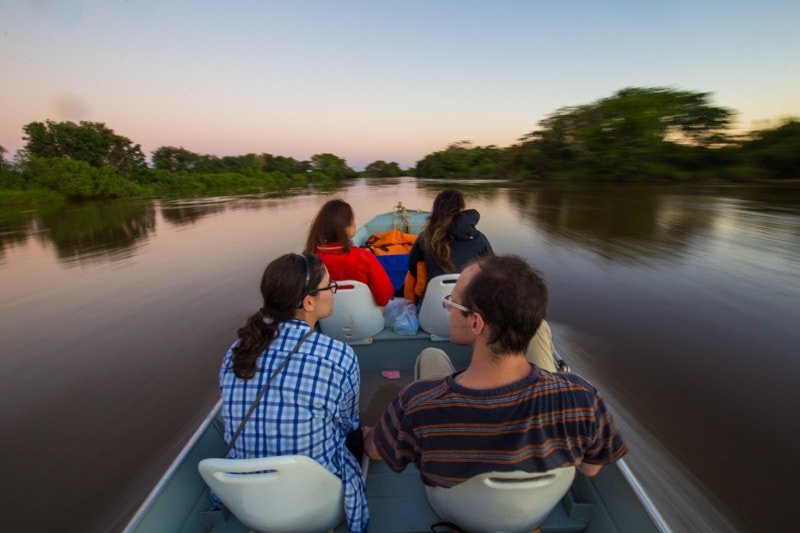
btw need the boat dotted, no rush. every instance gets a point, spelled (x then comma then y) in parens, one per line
(407, 221)
(612, 501)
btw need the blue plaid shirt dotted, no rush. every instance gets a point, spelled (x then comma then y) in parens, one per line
(308, 409)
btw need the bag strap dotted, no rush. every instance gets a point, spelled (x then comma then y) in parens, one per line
(261, 394)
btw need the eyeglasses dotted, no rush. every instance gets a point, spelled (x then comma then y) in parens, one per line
(333, 287)
(447, 301)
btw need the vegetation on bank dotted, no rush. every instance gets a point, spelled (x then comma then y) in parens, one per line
(637, 134)
(634, 135)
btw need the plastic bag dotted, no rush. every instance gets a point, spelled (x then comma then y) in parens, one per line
(392, 310)
(407, 323)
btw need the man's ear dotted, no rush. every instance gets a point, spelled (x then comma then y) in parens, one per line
(477, 324)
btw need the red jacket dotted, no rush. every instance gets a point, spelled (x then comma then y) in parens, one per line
(357, 264)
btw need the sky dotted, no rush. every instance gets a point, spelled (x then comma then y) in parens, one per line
(377, 80)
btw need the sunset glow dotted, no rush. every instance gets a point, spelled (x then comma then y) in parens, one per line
(376, 80)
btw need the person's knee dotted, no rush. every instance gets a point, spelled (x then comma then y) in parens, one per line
(540, 348)
(433, 363)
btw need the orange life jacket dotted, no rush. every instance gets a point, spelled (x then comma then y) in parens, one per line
(391, 242)
(414, 288)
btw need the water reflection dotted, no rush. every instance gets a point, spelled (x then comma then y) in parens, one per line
(15, 228)
(472, 189)
(96, 231)
(181, 212)
(630, 224)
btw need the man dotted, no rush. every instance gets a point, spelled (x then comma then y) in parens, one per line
(501, 413)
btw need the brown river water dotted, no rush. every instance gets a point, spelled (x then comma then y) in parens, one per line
(681, 303)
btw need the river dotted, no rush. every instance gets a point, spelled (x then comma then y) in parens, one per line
(681, 303)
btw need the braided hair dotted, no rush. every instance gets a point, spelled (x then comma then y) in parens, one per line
(284, 284)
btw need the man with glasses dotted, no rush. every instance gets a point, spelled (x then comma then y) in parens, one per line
(501, 413)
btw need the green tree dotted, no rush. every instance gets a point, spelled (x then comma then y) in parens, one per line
(77, 179)
(461, 160)
(626, 135)
(382, 169)
(286, 165)
(175, 159)
(9, 179)
(90, 142)
(775, 152)
(332, 166)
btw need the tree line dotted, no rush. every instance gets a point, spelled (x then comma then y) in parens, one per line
(635, 134)
(89, 160)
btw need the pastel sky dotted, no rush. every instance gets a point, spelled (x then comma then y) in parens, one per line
(377, 80)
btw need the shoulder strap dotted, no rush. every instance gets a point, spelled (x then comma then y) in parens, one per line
(261, 394)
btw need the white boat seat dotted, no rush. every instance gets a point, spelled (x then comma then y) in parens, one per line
(502, 501)
(356, 318)
(280, 493)
(434, 318)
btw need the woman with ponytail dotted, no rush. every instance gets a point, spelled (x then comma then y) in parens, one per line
(449, 239)
(311, 404)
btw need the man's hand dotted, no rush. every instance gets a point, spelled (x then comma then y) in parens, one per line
(369, 443)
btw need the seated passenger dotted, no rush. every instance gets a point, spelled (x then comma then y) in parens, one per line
(447, 243)
(313, 404)
(501, 413)
(330, 236)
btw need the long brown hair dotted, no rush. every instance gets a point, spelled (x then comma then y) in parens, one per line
(446, 206)
(284, 284)
(330, 225)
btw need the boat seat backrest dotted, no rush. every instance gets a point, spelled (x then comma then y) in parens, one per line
(502, 501)
(281, 493)
(356, 318)
(434, 318)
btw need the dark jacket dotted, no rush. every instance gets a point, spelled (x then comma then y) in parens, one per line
(466, 243)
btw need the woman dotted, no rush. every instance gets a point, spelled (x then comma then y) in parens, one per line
(330, 236)
(449, 239)
(312, 403)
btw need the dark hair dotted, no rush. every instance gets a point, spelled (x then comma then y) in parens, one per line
(511, 296)
(446, 206)
(329, 225)
(285, 283)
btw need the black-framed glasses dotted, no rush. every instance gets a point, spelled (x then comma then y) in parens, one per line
(333, 287)
(447, 301)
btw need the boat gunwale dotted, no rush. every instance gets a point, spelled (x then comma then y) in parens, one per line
(641, 495)
(173, 467)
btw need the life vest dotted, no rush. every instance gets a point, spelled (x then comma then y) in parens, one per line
(390, 242)
(414, 288)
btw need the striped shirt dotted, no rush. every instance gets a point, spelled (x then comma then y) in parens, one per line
(453, 433)
(308, 409)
